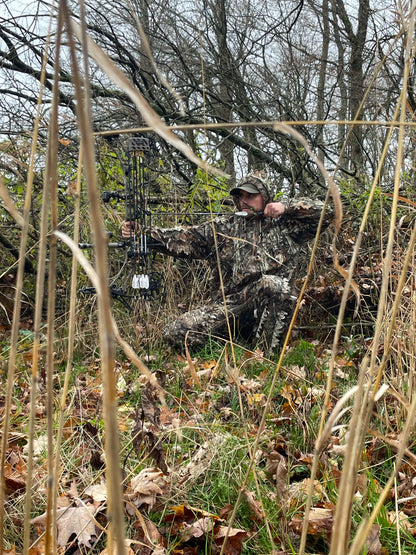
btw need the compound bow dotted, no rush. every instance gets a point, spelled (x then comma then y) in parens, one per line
(146, 282)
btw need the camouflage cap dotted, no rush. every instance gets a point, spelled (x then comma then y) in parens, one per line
(252, 183)
(247, 186)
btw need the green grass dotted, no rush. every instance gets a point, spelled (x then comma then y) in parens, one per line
(206, 435)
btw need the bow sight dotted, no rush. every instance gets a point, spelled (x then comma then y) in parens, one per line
(146, 281)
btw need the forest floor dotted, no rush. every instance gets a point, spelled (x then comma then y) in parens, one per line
(220, 460)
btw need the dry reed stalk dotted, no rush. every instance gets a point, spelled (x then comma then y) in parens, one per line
(349, 275)
(13, 350)
(340, 319)
(15, 328)
(106, 329)
(104, 307)
(24, 220)
(411, 415)
(50, 198)
(260, 124)
(9, 204)
(349, 279)
(71, 327)
(365, 526)
(115, 508)
(234, 369)
(403, 350)
(334, 192)
(392, 316)
(363, 405)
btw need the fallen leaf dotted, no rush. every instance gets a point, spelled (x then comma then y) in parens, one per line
(186, 515)
(145, 439)
(338, 450)
(250, 385)
(258, 399)
(296, 372)
(11, 551)
(97, 492)
(191, 365)
(276, 468)
(235, 539)
(298, 492)
(128, 550)
(40, 445)
(148, 536)
(198, 529)
(254, 505)
(144, 488)
(38, 548)
(291, 393)
(76, 523)
(257, 354)
(226, 510)
(320, 521)
(167, 415)
(404, 521)
(14, 479)
(372, 542)
(198, 526)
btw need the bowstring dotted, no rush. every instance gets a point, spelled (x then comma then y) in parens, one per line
(144, 281)
(137, 210)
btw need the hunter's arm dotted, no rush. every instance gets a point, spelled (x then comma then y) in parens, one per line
(302, 217)
(184, 242)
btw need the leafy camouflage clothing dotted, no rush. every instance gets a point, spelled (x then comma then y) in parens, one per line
(259, 262)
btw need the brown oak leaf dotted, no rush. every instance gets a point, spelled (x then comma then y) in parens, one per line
(254, 505)
(144, 488)
(235, 539)
(73, 523)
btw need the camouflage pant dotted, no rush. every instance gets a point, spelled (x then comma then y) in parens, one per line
(257, 315)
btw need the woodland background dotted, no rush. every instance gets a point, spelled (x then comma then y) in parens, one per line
(111, 442)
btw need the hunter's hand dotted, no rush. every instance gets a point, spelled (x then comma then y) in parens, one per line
(129, 228)
(274, 209)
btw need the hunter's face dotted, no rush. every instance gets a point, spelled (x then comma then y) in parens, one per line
(250, 201)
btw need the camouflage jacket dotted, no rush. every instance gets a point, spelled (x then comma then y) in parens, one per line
(248, 248)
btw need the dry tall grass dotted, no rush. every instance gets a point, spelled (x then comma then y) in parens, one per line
(393, 338)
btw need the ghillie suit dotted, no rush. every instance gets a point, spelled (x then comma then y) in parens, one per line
(259, 262)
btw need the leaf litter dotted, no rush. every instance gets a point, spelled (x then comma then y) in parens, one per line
(178, 446)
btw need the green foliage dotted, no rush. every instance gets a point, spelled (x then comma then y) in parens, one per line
(208, 192)
(109, 170)
(302, 353)
(355, 197)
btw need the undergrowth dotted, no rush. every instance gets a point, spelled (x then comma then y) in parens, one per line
(203, 438)
(202, 443)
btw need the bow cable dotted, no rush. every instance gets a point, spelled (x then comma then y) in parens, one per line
(145, 280)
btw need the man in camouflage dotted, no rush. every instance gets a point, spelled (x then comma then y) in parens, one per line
(256, 258)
